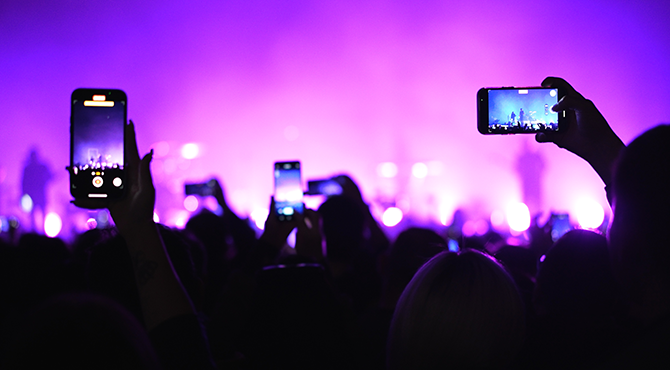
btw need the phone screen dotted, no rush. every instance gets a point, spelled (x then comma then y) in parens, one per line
(97, 124)
(517, 110)
(324, 187)
(288, 190)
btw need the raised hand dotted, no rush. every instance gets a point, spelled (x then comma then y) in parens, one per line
(588, 134)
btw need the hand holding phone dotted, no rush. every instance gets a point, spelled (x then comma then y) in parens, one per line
(511, 110)
(288, 190)
(97, 135)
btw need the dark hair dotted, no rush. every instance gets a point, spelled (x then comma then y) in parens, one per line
(461, 310)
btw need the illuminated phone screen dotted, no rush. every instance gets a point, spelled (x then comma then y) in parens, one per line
(288, 190)
(97, 159)
(522, 110)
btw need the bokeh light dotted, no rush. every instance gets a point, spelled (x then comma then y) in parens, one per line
(387, 170)
(590, 214)
(191, 203)
(419, 170)
(392, 216)
(518, 217)
(26, 203)
(52, 224)
(190, 151)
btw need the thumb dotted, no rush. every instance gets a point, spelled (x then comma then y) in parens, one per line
(144, 175)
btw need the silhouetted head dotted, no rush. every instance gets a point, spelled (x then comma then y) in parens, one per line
(343, 223)
(80, 331)
(460, 311)
(411, 249)
(575, 279)
(638, 236)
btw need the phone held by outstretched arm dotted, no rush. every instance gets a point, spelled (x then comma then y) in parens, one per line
(97, 128)
(288, 190)
(514, 110)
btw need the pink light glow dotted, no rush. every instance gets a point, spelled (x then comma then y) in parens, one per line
(342, 86)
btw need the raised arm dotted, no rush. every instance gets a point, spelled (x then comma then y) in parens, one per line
(588, 134)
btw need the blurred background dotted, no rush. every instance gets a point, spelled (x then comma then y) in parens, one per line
(381, 90)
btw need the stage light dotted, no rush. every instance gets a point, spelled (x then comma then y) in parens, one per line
(419, 170)
(518, 217)
(156, 218)
(191, 203)
(26, 203)
(258, 216)
(590, 214)
(52, 225)
(392, 216)
(190, 151)
(387, 170)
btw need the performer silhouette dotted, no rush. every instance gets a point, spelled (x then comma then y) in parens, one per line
(36, 175)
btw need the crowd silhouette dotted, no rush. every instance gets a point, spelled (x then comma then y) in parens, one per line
(144, 296)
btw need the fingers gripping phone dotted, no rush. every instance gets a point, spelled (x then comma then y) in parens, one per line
(514, 110)
(288, 190)
(97, 127)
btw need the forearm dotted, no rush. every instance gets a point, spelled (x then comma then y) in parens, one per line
(603, 156)
(161, 293)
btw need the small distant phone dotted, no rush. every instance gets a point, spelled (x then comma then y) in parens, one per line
(560, 224)
(325, 187)
(202, 189)
(518, 110)
(97, 129)
(288, 190)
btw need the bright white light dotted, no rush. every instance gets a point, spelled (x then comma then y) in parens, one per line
(518, 217)
(26, 203)
(392, 216)
(156, 218)
(190, 150)
(419, 170)
(52, 225)
(590, 214)
(258, 216)
(387, 170)
(191, 203)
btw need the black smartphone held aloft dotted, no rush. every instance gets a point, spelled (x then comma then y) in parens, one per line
(201, 189)
(97, 130)
(288, 190)
(514, 110)
(327, 187)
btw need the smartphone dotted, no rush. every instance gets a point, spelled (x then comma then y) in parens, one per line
(202, 189)
(97, 129)
(560, 224)
(325, 187)
(514, 110)
(288, 190)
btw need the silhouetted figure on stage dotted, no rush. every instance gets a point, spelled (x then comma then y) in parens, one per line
(36, 175)
(529, 167)
(512, 118)
(522, 116)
